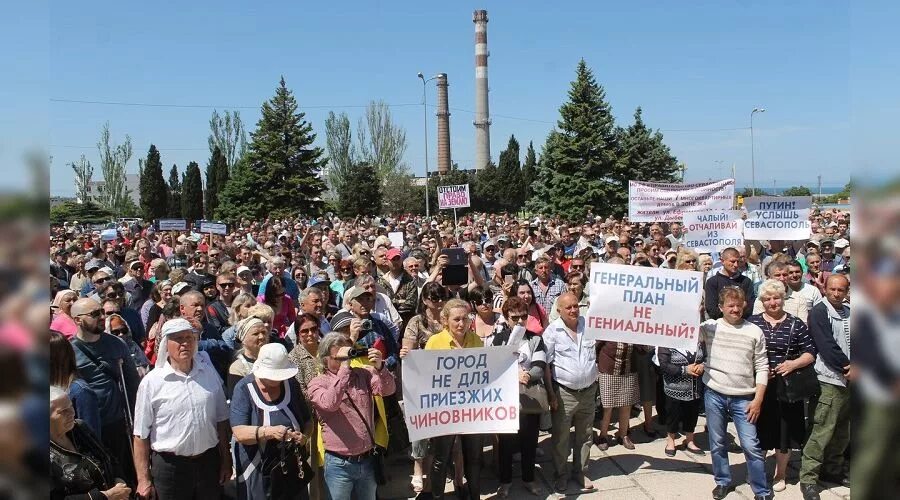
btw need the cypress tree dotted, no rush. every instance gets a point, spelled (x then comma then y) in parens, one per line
(528, 170)
(216, 178)
(579, 169)
(509, 173)
(487, 189)
(285, 164)
(240, 198)
(192, 193)
(174, 203)
(153, 189)
(360, 191)
(644, 155)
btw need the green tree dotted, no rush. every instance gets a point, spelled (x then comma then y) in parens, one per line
(86, 212)
(284, 166)
(154, 192)
(748, 192)
(83, 173)
(173, 209)
(227, 133)
(579, 169)
(400, 194)
(509, 174)
(382, 142)
(216, 178)
(487, 190)
(644, 155)
(341, 152)
(192, 193)
(797, 191)
(114, 195)
(360, 192)
(242, 186)
(528, 170)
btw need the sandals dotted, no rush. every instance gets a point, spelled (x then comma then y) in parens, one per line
(417, 484)
(670, 452)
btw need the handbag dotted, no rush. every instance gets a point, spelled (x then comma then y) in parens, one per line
(800, 384)
(533, 397)
(377, 453)
(291, 461)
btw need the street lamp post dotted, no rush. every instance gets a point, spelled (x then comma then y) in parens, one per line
(753, 151)
(425, 109)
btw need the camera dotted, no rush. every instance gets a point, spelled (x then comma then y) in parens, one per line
(357, 352)
(366, 325)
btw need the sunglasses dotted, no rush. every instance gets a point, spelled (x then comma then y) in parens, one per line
(101, 281)
(111, 295)
(94, 314)
(314, 329)
(228, 284)
(437, 299)
(483, 302)
(691, 261)
(118, 332)
(515, 318)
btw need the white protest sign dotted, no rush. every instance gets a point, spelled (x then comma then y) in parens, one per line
(461, 391)
(644, 305)
(660, 202)
(713, 230)
(213, 227)
(456, 196)
(172, 224)
(777, 218)
(396, 239)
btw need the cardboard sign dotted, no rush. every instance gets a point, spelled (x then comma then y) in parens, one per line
(396, 239)
(461, 391)
(644, 305)
(171, 225)
(456, 196)
(659, 202)
(713, 230)
(213, 227)
(778, 218)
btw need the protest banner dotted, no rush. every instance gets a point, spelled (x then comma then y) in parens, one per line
(777, 218)
(213, 227)
(456, 196)
(659, 202)
(171, 225)
(644, 306)
(709, 231)
(461, 391)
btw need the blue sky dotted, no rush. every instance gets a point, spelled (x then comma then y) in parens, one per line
(694, 67)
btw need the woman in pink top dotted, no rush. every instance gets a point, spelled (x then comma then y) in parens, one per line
(537, 316)
(276, 298)
(62, 315)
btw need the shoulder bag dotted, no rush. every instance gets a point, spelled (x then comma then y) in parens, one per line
(533, 397)
(377, 453)
(800, 384)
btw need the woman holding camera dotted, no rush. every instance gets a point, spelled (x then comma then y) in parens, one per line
(271, 425)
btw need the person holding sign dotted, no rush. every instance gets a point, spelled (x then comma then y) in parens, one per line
(532, 364)
(573, 368)
(736, 374)
(457, 334)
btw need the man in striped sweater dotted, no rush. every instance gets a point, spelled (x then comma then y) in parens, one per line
(736, 374)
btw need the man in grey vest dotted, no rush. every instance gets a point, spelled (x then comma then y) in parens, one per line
(823, 455)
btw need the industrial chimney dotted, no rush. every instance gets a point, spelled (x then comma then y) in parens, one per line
(443, 125)
(482, 115)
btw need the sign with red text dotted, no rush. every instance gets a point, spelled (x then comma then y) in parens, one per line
(709, 231)
(456, 196)
(644, 306)
(461, 391)
(778, 218)
(660, 202)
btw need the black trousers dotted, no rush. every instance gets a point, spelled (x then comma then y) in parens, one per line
(525, 442)
(183, 478)
(442, 449)
(681, 416)
(116, 438)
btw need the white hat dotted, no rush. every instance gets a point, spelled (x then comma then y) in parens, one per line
(841, 243)
(272, 363)
(179, 287)
(243, 269)
(176, 325)
(612, 238)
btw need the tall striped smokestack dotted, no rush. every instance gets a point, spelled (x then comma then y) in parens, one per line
(443, 125)
(482, 115)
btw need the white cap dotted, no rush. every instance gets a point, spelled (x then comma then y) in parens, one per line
(242, 269)
(180, 287)
(841, 243)
(612, 238)
(176, 325)
(273, 363)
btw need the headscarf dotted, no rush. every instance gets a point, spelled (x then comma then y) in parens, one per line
(174, 325)
(109, 323)
(245, 325)
(60, 295)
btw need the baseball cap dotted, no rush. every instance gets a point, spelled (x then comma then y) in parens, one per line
(180, 288)
(612, 238)
(841, 243)
(488, 243)
(243, 269)
(503, 237)
(392, 254)
(92, 264)
(355, 292)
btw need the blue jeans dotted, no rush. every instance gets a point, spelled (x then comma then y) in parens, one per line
(345, 479)
(718, 406)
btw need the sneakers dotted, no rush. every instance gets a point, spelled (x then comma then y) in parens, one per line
(503, 490)
(779, 485)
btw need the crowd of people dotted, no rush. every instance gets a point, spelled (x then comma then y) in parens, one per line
(271, 355)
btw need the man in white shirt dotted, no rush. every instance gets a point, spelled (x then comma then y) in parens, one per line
(572, 361)
(808, 293)
(181, 422)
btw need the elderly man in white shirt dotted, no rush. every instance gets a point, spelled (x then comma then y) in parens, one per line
(572, 361)
(181, 424)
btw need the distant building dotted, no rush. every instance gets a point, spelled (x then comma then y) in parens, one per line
(132, 183)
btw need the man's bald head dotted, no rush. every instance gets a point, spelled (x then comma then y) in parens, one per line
(567, 306)
(836, 279)
(837, 288)
(84, 306)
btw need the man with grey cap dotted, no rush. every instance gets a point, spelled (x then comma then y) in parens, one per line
(363, 328)
(181, 422)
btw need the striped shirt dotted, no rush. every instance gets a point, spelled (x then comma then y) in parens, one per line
(736, 360)
(779, 336)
